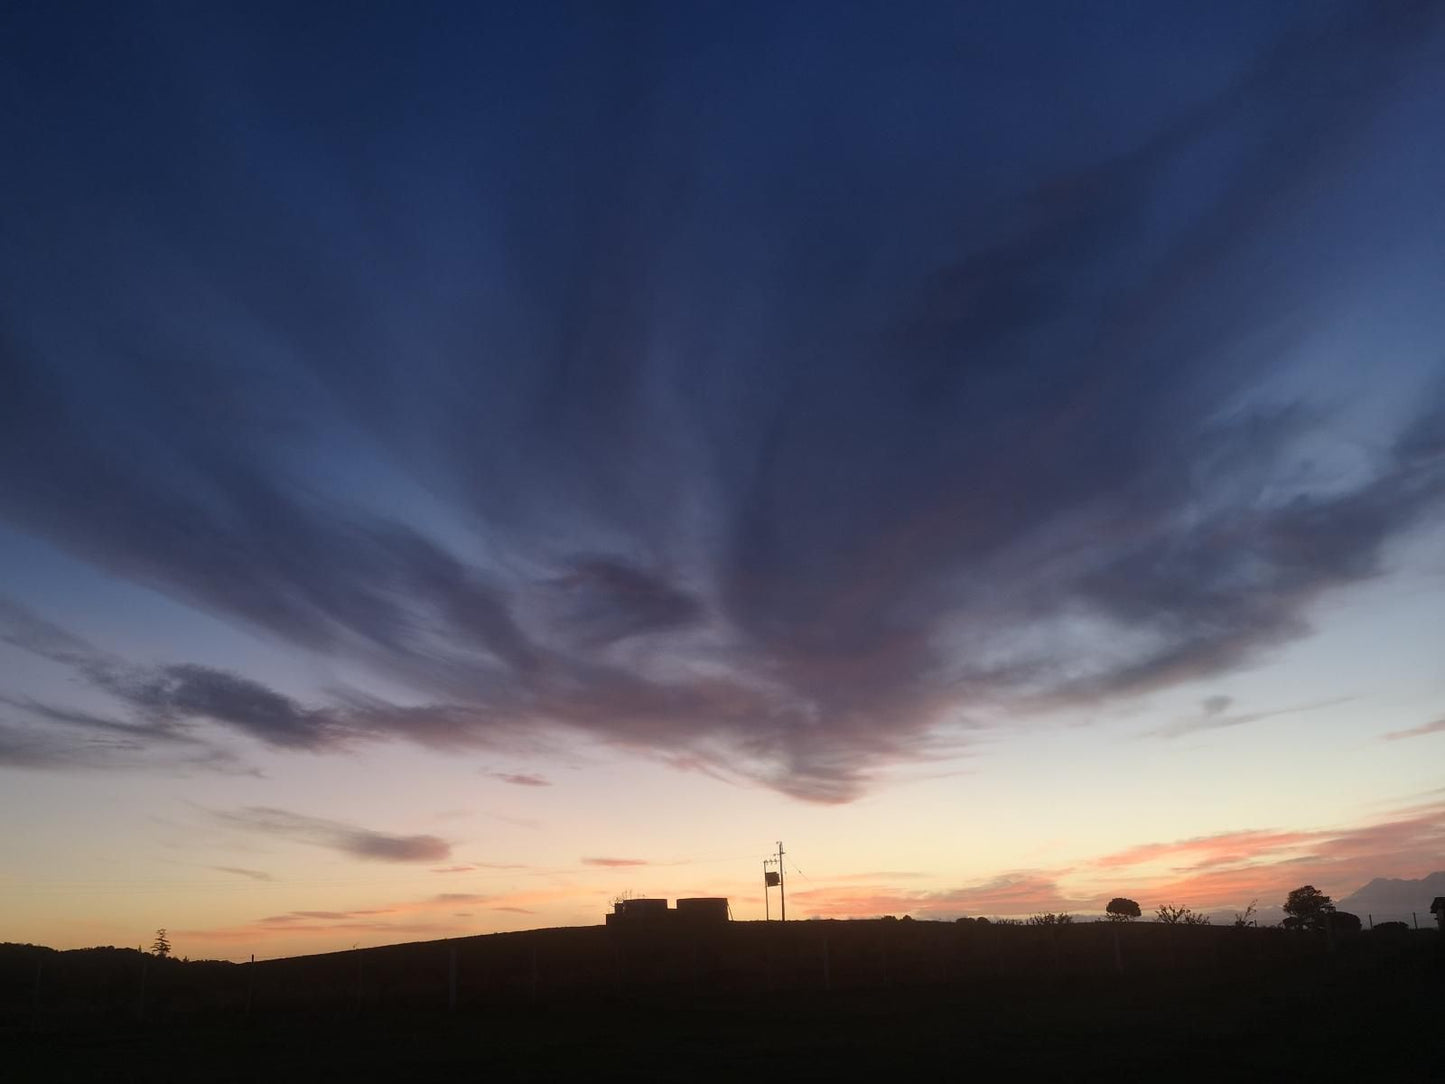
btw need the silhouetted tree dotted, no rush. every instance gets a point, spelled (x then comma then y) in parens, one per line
(1305, 909)
(1121, 909)
(1246, 917)
(1181, 916)
(161, 946)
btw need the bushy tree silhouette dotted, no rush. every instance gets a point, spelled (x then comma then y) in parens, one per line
(161, 946)
(1306, 908)
(1181, 916)
(1121, 909)
(1048, 918)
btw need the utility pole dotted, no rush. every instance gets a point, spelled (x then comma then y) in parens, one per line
(767, 906)
(782, 889)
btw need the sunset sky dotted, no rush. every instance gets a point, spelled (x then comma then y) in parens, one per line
(460, 464)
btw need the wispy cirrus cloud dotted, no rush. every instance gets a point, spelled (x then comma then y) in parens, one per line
(1214, 715)
(241, 871)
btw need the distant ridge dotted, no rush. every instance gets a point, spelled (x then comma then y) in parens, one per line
(1394, 896)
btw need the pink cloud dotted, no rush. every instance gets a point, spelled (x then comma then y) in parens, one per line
(406, 918)
(474, 866)
(615, 863)
(1231, 869)
(1218, 872)
(1238, 846)
(1022, 892)
(1419, 731)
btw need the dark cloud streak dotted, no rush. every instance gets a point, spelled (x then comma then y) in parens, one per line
(347, 839)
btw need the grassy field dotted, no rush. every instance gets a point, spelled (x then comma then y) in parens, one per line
(812, 1000)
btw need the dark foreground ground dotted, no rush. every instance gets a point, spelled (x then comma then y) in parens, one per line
(1021, 1006)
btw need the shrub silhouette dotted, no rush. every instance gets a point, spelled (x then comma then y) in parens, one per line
(1048, 918)
(1344, 922)
(1121, 909)
(1181, 916)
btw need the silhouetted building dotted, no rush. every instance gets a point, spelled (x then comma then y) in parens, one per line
(703, 909)
(1437, 908)
(697, 910)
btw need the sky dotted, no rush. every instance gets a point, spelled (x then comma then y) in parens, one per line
(461, 464)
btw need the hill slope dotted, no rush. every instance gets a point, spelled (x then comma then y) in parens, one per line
(1394, 896)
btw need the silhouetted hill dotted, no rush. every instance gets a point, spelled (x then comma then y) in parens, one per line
(745, 1001)
(1394, 897)
(809, 1000)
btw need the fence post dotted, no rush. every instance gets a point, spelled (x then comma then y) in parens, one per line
(140, 1008)
(452, 978)
(1415, 919)
(250, 984)
(1372, 922)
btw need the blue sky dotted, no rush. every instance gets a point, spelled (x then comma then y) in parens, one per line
(437, 440)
